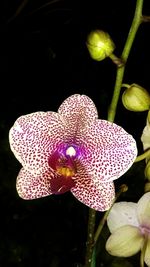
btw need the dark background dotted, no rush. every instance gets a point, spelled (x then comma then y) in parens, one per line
(43, 60)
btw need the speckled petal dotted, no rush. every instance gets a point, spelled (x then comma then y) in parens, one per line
(110, 150)
(122, 213)
(143, 210)
(78, 109)
(34, 136)
(32, 187)
(98, 196)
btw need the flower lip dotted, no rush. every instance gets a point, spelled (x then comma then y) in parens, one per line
(63, 160)
(61, 184)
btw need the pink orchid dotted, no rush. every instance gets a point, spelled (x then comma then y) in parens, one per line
(71, 150)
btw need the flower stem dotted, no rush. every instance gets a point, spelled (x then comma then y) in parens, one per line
(90, 238)
(111, 116)
(116, 60)
(125, 85)
(120, 69)
(145, 155)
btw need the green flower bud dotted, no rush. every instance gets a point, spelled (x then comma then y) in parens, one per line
(136, 98)
(99, 45)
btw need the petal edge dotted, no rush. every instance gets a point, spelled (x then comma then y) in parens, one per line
(31, 187)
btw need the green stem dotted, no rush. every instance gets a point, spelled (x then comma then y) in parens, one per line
(125, 85)
(93, 263)
(111, 116)
(116, 60)
(90, 238)
(115, 98)
(120, 69)
(145, 155)
(118, 84)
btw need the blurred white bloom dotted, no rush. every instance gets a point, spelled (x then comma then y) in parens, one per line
(129, 224)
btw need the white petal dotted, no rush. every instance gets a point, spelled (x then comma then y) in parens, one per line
(143, 210)
(125, 242)
(145, 138)
(122, 213)
(147, 253)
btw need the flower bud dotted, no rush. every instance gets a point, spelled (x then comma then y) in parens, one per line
(99, 45)
(136, 98)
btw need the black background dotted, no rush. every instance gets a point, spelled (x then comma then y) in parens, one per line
(43, 60)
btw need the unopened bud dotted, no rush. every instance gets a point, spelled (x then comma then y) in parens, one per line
(100, 45)
(136, 98)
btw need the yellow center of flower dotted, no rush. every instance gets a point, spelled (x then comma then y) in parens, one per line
(66, 171)
(64, 163)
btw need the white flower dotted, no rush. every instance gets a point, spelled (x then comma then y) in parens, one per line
(129, 224)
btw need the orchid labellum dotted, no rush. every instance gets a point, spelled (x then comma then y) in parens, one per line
(71, 150)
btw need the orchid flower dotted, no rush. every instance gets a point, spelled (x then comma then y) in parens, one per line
(129, 224)
(71, 150)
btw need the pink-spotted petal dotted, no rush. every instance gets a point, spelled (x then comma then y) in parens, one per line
(110, 150)
(33, 138)
(98, 196)
(32, 187)
(79, 110)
